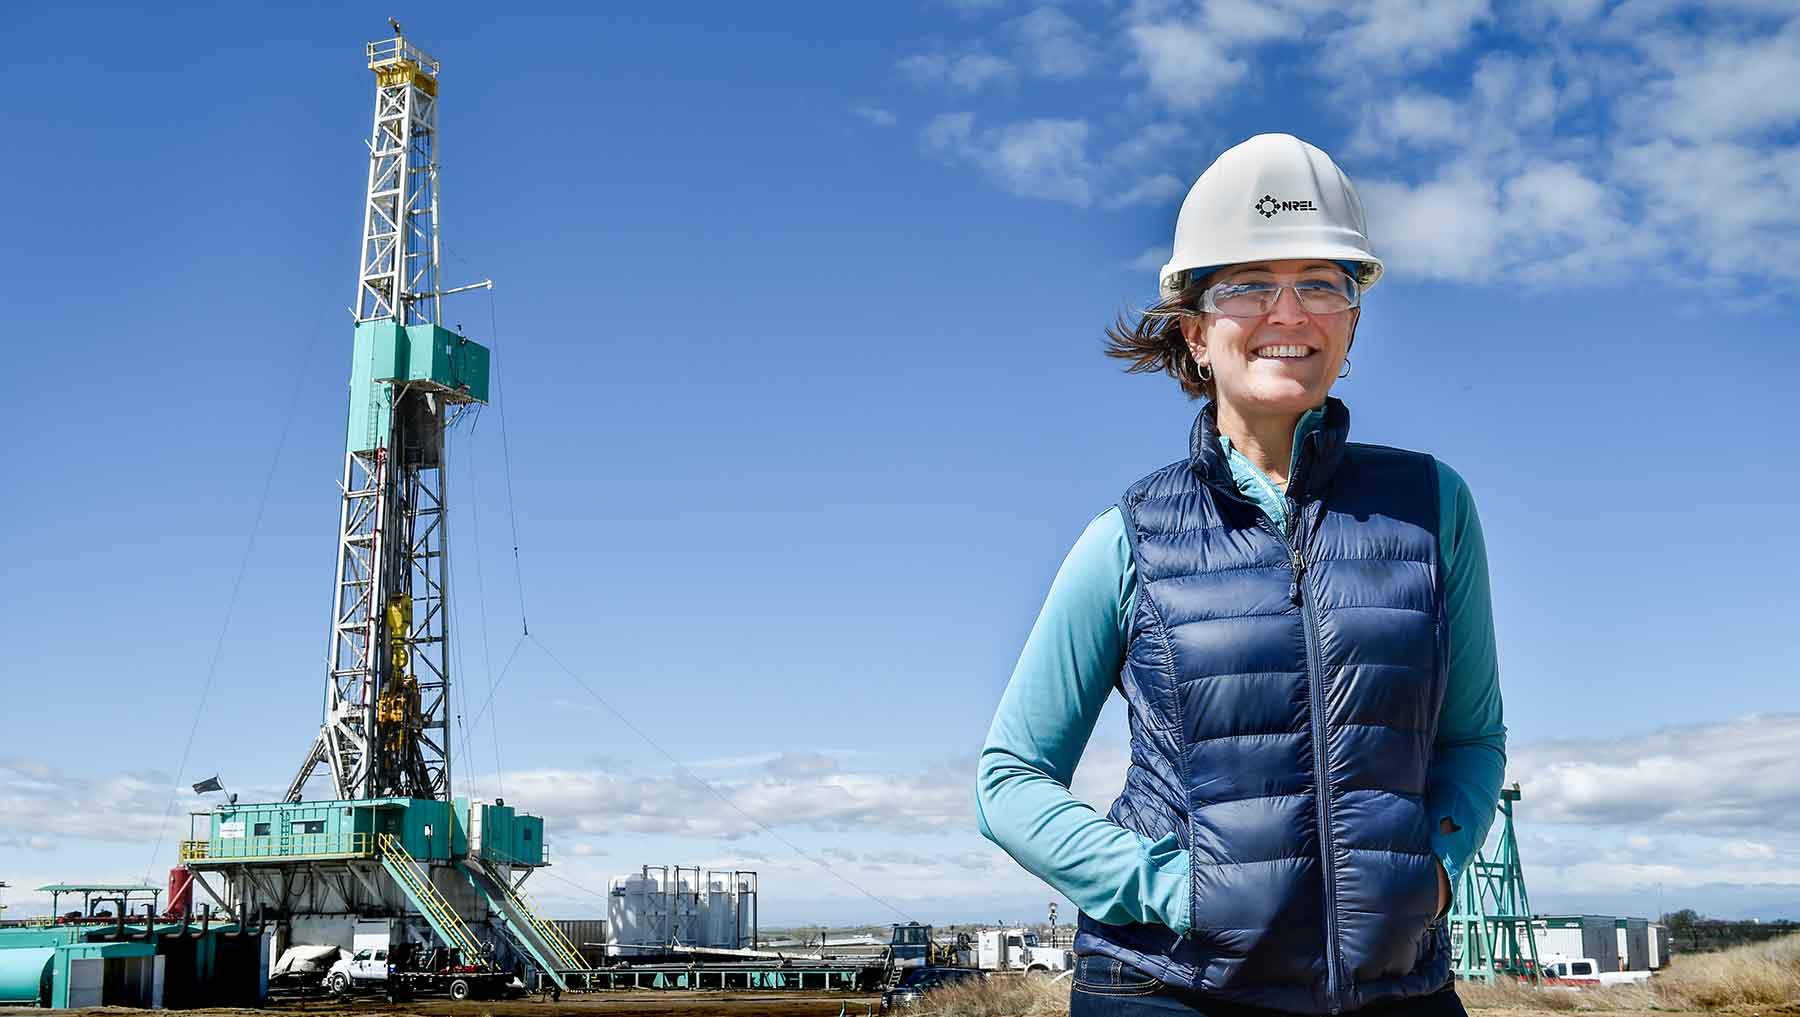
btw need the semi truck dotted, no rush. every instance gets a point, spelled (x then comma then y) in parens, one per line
(1014, 949)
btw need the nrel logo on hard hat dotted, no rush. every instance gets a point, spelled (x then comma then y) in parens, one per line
(1267, 206)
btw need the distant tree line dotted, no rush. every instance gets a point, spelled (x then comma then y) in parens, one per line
(1693, 932)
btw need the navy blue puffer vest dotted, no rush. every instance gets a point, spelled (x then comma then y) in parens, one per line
(1283, 693)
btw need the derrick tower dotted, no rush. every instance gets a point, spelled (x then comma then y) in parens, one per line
(389, 846)
(386, 726)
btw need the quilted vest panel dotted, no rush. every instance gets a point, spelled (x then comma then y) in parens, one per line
(1283, 692)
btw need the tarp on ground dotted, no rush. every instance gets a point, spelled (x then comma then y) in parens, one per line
(305, 960)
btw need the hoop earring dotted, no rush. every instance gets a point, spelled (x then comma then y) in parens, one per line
(1344, 372)
(1203, 371)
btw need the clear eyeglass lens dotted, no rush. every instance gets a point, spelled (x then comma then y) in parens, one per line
(1250, 299)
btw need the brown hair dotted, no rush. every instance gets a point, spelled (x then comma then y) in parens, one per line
(1154, 342)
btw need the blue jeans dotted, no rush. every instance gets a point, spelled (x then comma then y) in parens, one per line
(1104, 987)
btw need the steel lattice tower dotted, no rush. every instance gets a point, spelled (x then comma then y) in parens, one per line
(386, 727)
(1491, 921)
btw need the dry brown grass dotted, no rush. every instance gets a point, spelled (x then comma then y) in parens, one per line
(1515, 996)
(1762, 974)
(1005, 996)
(1743, 980)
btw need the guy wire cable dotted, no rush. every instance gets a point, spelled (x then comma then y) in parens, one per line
(525, 633)
(512, 510)
(237, 584)
(487, 648)
(691, 775)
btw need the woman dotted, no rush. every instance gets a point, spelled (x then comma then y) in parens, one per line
(1302, 633)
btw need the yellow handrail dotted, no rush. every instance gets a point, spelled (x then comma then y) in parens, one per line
(550, 931)
(403, 865)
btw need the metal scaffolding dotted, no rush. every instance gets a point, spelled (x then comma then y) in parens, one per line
(1490, 920)
(386, 726)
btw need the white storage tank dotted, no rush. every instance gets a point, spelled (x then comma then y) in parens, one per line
(626, 906)
(661, 906)
(745, 906)
(686, 928)
(719, 922)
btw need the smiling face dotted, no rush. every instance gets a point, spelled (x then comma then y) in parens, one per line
(1281, 363)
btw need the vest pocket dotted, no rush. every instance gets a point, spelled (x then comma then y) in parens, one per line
(1105, 976)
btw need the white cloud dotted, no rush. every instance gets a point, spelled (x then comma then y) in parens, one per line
(121, 808)
(798, 765)
(1154, 144)
(1723, 210)
(1591, 138)
(1151, 259)
(1749, 850)
(795, 790)
(1733, 777)
(969, 72)
(1570, 12)
(874, 115)
(1183, 65)
(1159, 187)
(1053, 44)
(1721, 86)
(1448, 227)
(1414, 120)
(1392, 35)
(1033, 158)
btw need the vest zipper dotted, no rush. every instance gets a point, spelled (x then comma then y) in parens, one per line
(1327, 852)
(1321, 775)
(1315, 678)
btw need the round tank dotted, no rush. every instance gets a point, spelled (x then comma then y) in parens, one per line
(181, 892)
(25, 975)
(718, 922)
(625, 914)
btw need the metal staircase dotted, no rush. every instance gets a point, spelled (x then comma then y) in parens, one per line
(539, 938)
(437, 911)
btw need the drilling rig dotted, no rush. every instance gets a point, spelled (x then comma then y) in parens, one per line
(392, 848)
(386, 722)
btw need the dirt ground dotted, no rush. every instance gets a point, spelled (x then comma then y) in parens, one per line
(671, 1003)
(647, 1002)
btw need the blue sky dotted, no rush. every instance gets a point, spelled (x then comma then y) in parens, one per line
(798, 323)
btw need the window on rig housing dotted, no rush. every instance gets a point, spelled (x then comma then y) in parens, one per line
(259, 830)
(309, 826)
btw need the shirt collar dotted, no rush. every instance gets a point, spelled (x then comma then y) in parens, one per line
(1319, 438)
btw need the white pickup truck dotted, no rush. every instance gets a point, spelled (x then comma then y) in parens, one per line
(1577, 971)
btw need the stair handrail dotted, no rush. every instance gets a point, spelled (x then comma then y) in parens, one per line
(550, 931)
(420, 886)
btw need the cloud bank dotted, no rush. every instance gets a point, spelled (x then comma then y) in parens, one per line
(1542, 143)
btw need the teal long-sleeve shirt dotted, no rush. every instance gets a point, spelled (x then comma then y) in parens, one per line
(1067, 670)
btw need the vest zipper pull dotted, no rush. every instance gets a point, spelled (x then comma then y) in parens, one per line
(1299, 564)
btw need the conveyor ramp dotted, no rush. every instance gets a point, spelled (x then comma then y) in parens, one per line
(437, 911)
(540, 939)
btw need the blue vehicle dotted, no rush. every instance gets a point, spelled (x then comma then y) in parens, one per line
(911, 946)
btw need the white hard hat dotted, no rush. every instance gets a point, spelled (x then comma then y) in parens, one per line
(1271, 198)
